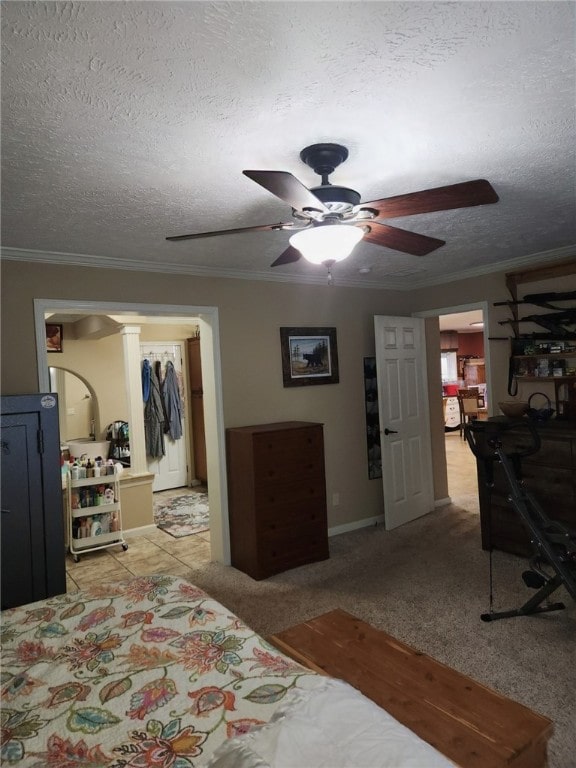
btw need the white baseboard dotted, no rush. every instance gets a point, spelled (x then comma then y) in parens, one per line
(347, 527)
(442, 502)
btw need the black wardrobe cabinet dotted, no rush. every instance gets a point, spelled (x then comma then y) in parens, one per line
(31, 523)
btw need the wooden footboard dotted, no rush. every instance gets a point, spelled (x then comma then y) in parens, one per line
(469, 723)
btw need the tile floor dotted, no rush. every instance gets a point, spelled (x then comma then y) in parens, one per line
(158, 552)
(154, 552)
(461, 464)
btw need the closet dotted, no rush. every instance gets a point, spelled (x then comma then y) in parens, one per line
(32, 527)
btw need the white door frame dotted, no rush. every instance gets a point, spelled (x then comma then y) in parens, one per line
(454, 310)
(208, 320)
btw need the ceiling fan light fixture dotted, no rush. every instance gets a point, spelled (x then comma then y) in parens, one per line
(328, 242)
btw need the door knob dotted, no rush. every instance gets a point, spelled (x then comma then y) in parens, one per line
(390, 431)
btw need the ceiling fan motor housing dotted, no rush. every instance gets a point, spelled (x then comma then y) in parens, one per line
(337, 198)
(324, 159)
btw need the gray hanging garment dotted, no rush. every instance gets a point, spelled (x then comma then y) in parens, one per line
(172, 401)
(154, 420)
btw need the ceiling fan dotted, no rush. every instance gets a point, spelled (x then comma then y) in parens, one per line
(334, 215)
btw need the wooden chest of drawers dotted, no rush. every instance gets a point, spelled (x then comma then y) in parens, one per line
(276, 496)
(550, 474)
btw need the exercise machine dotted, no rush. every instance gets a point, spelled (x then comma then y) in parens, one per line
(553, 562)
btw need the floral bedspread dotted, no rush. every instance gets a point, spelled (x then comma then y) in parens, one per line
(148, 672)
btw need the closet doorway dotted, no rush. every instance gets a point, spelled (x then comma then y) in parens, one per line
(171, 469)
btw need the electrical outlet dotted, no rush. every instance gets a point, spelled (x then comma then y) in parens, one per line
(335, 499)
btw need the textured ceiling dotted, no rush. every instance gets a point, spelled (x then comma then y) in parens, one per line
(124, 122)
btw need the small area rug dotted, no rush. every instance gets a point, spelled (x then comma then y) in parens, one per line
(183, 515)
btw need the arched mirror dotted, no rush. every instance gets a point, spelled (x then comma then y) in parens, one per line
(78, 410)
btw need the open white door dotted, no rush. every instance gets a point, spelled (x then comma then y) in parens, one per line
(404, 419)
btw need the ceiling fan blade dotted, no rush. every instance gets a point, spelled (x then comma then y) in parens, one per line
(260, 228)
(287, 187)
(401, 239)
(289, 256)
(463, 195)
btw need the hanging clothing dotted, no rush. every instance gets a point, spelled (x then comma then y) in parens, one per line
(158, 369)
(172, 401)
(146, 380)
(154, 419)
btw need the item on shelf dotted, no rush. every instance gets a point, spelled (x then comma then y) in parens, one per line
(513, 408)
(450, 390)
(119, 435)
(565, 400)
(540, 414)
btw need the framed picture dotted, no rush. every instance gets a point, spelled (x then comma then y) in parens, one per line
(372, 419)
(53, 337)
(309, 356)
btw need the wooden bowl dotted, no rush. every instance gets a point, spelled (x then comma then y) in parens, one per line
(514, 409)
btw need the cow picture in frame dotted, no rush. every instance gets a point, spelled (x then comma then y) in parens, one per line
(309, 356)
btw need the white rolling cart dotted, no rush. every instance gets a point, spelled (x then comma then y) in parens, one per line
(94, 514)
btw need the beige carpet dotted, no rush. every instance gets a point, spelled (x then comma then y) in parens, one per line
(427, 584)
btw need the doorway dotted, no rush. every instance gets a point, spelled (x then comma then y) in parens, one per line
(464, 335)
(460, 464)
(207, 318)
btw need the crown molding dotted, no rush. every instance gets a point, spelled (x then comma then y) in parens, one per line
(389, 283)
(532, 260)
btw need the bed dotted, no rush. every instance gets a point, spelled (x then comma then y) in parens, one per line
(154, 672)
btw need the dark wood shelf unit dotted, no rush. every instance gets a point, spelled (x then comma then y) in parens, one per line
(545, 378)
(547, 354)
(549, 474)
